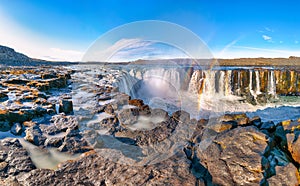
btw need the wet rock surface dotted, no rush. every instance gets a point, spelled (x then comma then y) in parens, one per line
(123, 141)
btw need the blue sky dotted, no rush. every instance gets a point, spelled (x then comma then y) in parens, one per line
(65, 29)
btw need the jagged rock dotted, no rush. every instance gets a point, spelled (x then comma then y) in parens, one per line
(63, 122)
(29, 123)
(49, 129)
(136, 102)
(290, 125)
(4, 126)
(54, 142)
(220, 127)
(16, 129)
(226, 118)
(294, 146)
(255, 121)
(158, 134)
(35, 136)
(269, 126)
(66, 106)
(285, 175)
(181, 116)
(234, 157)
(145, 110)
(109, 122)
(128, 116)
(74, 144)
(3, 96)
(109, 109)
(14, 158)
(174, 171)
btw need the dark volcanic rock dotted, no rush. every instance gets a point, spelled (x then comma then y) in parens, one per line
(14, 159)
(128, 116)
(94, 170)
(74, 144)
(63, 122)
(35, 136)
(16, 129)
(285, 175)
(294, 146)
(234, 157)
(136, 102)
(66, 106)
(4, 126)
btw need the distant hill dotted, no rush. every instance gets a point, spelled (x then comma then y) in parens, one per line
(291, 61)
(9, 56)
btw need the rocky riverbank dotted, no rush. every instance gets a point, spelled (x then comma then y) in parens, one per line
(117, 140)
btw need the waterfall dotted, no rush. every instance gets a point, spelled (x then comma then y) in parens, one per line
(173, 76)
(209, 82)
(195, 82)
(257, 82)
(57, 108)
(126, 84)
(228, 83)
(239, 83)
(271, 83)
(251, 83)
(222, 83)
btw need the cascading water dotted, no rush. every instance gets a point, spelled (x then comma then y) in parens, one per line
(257, 82)
(209, 83)
(206, 91)
(251, 83)
(222, 83)
(196, 82)
(271, 83)
(127, 84)
(228, 83)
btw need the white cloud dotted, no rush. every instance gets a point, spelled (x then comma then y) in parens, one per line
(65, 55)
(267, 38)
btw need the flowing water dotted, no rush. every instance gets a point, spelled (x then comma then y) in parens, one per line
(208, 93)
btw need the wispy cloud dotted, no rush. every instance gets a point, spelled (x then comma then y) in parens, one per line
(133, 49)
(266, 30)
(227, 47)
(269, 29)
(267, 38)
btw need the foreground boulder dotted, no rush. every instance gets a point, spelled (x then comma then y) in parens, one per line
(234, 157)
(285, 175)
